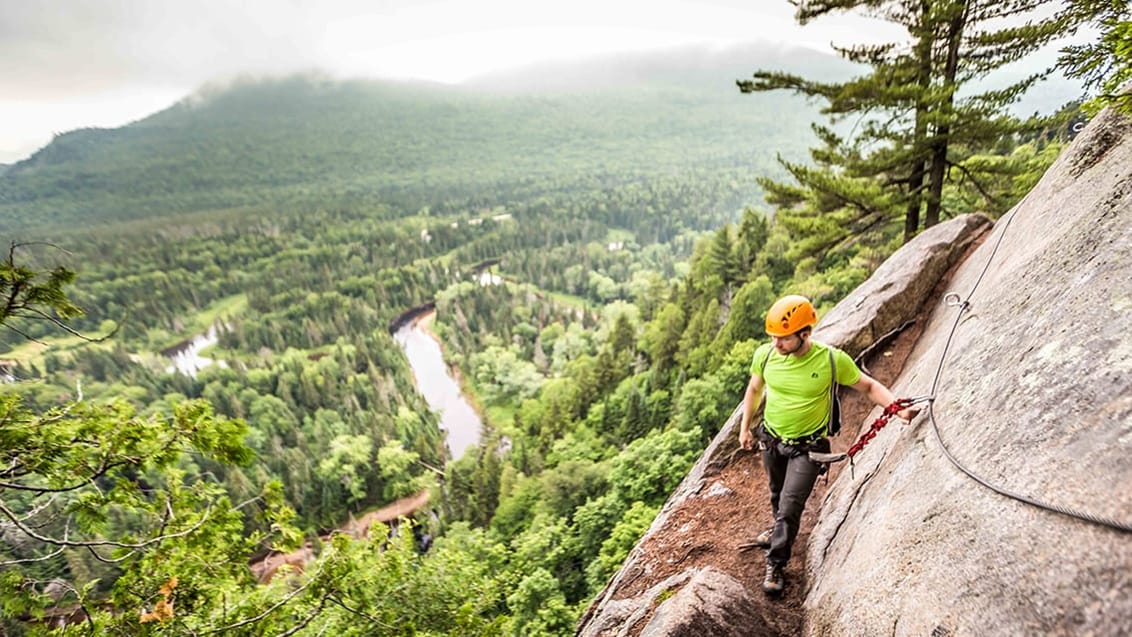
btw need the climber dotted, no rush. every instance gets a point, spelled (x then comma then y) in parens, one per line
(796, 372)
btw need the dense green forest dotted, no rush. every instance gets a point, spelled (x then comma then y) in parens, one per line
(301, 217)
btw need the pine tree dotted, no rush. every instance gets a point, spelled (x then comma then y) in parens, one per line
(913, 133)
(1106, 64)
(722, 258)
(752, 236)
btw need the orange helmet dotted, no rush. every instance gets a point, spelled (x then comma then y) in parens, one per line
(790, 314)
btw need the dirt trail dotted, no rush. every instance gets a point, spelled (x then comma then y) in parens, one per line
(264, 569)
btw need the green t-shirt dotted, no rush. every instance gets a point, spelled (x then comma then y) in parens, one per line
(797, 389)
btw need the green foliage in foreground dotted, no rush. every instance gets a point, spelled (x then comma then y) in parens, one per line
(119, 495)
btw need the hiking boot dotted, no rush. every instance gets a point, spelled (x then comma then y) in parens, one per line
(762, 540)
(774, 582)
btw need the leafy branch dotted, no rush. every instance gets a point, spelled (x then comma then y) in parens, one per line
(25, 295)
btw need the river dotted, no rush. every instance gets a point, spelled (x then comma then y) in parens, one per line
(186, 357)
(440, 390)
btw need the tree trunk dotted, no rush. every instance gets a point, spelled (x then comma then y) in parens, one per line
(943, 130)
(919, 134)
(915, 194)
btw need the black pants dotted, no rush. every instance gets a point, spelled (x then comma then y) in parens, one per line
(791, 475)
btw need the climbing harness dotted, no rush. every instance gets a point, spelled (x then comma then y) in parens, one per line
(964, 305)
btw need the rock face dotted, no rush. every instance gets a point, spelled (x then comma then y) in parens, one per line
(894, 295)
(1035, 397)
(699, 602)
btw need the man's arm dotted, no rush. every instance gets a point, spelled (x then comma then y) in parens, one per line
(880, 395)
(751, 400)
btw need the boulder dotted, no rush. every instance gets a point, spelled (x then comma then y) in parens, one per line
(695, 602)
(897, 291)
(1030, 365)
(709, 603)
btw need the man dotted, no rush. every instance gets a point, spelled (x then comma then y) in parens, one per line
(796, 373)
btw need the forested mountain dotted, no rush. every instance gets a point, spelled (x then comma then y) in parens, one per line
(310, 142)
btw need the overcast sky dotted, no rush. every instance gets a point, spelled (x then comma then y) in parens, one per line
(66, 64)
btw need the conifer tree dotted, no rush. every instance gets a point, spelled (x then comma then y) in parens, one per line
(752, 236)
(912, 131)
(1104, 65)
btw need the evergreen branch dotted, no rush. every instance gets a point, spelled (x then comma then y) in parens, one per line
(16, 288)
(875, 54)
(875, 221)
(859, 205)
(24, 298)
(772, 81)
(969, 175)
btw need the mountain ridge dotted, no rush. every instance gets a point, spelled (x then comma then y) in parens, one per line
(309, 140)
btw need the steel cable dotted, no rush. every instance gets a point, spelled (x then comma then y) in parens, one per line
(964, 305)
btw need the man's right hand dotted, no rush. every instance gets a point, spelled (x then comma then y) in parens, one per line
(908, 414)
(746, 439)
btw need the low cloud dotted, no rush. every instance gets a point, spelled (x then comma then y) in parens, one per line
(69, 47)
(66, 64)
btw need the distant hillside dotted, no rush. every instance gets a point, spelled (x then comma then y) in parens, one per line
(688, 66)
(308, 142)
(702, 65)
